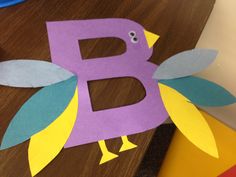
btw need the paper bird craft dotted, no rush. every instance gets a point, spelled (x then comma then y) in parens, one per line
(60, 114)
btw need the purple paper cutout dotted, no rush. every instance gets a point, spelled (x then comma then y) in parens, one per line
(93, 126)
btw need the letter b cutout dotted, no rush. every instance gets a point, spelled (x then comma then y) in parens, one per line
(92, 126)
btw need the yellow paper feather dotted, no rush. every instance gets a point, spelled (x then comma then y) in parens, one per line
(45, 145)
(189, 120)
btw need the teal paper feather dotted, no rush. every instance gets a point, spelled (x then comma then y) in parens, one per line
(39, 111)
(201, 92)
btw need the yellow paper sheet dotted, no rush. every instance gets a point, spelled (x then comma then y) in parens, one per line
(183, 159)
(189, 120)
(45, 145)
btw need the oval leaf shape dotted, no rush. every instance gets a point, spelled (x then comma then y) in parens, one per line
(31, 73)
(47, 144)
(185, 64)
(201, 92)
(189, 120)
(39, 111)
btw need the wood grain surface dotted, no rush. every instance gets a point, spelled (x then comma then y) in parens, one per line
(23, 35)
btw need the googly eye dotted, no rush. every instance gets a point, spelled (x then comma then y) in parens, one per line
(132, 33)
(134, 40)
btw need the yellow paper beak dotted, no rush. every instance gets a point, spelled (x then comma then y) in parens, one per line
(151, 38)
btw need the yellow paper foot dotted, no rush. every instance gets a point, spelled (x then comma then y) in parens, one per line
(106, 155)
(127, 145)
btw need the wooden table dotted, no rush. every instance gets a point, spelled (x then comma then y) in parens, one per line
(23, 35)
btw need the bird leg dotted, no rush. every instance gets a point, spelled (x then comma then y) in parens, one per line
(127, 145)
(106, 155)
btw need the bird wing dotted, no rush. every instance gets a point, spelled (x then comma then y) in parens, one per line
(46, 145)
(185, 64)
(31, 73)
(189, 120)
(201, 92)
(39, 111)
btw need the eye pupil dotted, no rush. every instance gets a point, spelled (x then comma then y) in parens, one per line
(132, 33)
(134, 40)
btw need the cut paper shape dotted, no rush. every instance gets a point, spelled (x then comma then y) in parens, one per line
(185, 64)
(31, 73)
(38, 112)
(189, 120)
(46, 145)
(151, 38)
(106, 155)
(126, 144)
(6, 3)
(200, 91)
(92, 126)
(229, 173)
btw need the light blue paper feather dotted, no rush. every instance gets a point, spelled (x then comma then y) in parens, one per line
(185, 64)
(31, 73)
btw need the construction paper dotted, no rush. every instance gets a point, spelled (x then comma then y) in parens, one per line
(151, 38)
(38, 112)
(183, 159)
(6, 3)
(46, 145)
(201, 92)
(185, 64)
(31, 73)
(92, 126)
(224, 114)
(126, 144)
(189, 120)
(106, 155)
(229, 173)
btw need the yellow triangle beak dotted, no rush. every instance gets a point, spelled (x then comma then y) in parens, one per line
(151, 38)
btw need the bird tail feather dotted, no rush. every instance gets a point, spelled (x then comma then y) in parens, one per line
(46, 144)
(189, 120)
